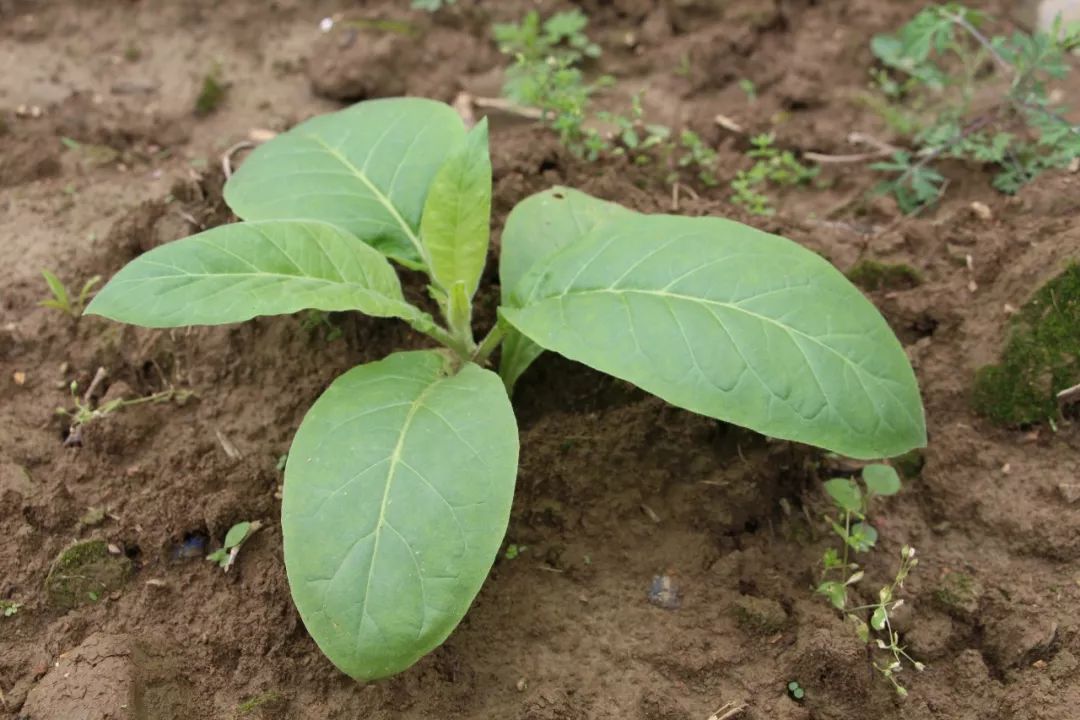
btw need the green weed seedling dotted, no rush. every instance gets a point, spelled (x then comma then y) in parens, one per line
(9, 608)
(83, 412)
(62, 300)
(771, 167)
(857, 535)
(400, 478)
(238, 534)
(939, 69)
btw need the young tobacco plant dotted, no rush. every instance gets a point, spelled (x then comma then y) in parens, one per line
(399, 481)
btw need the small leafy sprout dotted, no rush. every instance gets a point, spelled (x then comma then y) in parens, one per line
(84, 412)
(771, 167)
(431, 5)
(943, 66)
(401, 476)
(314, 321)
(225, 556)
(211, 94)
(795, 691)
(859, 536)
(61, 300)
(513, 551)
(747, 86)
(9, 608)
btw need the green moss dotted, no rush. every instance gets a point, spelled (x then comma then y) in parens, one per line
(268, 702)
(211, 95)
(1041, 356)
(872, 275)
(759, 616)
(83, 572)
(958, 594)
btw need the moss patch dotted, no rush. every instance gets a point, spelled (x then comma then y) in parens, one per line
(82, 573)
(759, 616)
(1041, 357)
(959, 594)
(872, 275)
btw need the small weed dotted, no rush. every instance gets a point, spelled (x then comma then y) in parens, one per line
(858, 535)
(431, 5)
(547, 75)
(795, 691)
(62, 300)
(84, 413)
(937, 64)
(514, 551)
(747, 86)
(212, 93)
(314, 321)
(238, 534)
(9, 608)
(771, 167)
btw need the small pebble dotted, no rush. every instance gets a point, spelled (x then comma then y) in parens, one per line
(664, 593)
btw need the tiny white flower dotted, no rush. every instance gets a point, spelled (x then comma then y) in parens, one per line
(326, 24)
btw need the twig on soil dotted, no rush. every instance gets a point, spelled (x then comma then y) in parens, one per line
(1069, 395)
(226, 158)
(881, 149)
(728, 711)
(184, 215)
(99, 377)
(508, 107)
(227, 445)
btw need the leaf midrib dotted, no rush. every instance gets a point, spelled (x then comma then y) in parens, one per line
(395, 461)
(375, 191)
(717, 303)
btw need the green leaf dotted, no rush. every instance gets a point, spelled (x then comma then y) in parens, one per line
(877, 620)
(236, 272)
(538, 227)
(457, 215)
(366, 168)
(863, 537)
(397, 496)
(845, 493)
(881, 479)
(236, 534)
(729, 322)
(59, 291)
(835, 591)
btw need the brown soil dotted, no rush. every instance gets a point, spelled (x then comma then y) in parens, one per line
(615, 487)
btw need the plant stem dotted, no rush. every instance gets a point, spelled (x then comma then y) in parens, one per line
(488, 345)
(441, 335)
(961, 21)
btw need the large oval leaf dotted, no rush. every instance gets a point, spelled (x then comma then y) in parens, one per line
(366, 168)
(733, 323)
(537, 228)
(235, 272)
(397, 495)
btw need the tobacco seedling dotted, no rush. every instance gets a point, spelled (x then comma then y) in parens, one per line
(238, 534)
(973, 97)
(399, 480)
(858, 535)
(62, 300)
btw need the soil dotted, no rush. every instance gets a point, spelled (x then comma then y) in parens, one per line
(615, 487)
